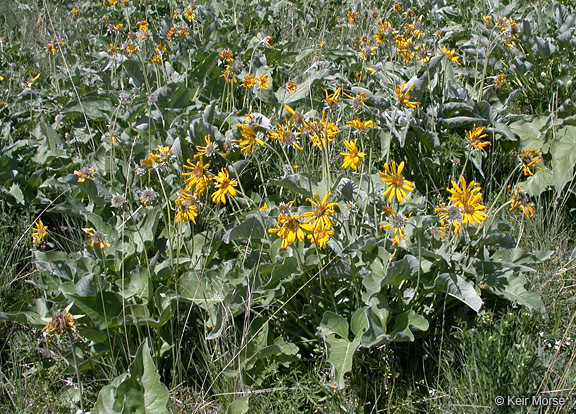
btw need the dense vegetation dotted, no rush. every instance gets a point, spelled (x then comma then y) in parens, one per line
(286, 206)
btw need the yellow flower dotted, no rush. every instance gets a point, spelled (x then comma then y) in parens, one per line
(467, 197)
(406, 47)
(530, 158)
(84, 174)
(131, 48)
(352, 16)
(397, 7)
(113, 49)
(39, 231)
(519, 200)
(289, 229)
(32, 81)
(288, 135)
(227, 55)
(74, 11)
(473, 211)
(249, 80)
(358, 124)
(208, 150)
(475, 137)
(463, 193)
(291, 86)
(451, 214)
(322, 131)
(229, 75)
(397, 224)
(225, 187)
(333, 98)
(398, 186)
(186, 207)
(269, 41)
(351, 158)
(199, 176)
(405, 97)
(1, 78)
(264, 81)
(321, 214)
(190, 13)
(320, 236)
(96, 237)
(358, 100)
(264, 207)
(450, 55)
(156, 160)
(249, 139)
(50, 48)
(500, 82)
(60, 323)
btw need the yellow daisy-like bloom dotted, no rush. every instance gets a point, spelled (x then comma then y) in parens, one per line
(229, 75)
(186, 207)
(404, 97)
(96, 238)
(352, 159)
(333, 98)
(530, 158)
(397, 224)
(519, 200)
(468, 197)
(249, 139)
(60, 323)
(198, 177)
(131, 48)
(321, 131)
(358, 124)
(358, 100)
(500, 82)
(397, 7)
(264, 81)
(398, 186)
(208, 150)
(264, 207)
(84, 174)
(450, 55)
(1, 78)
(289, 229)
(51, 49)
(321, 214)
(462, 194)
(190, 13)
(227, 55)
(156, 160)
(475, 137)
(249, 80)
(473, 211)
(320, 236)
(291, 86)
(224, 188)
(288, 135)
(39, 231)
(451, 214)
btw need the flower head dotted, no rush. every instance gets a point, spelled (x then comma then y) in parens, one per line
(264, 81)
(249, 139)
(224, 188)
(96, 238)
(475, 136)
(450, 55)
(148, 196)
(451, 214)
(159, 158)
(320, 236)
(519, 200)
(186, 207)
(60, 323)
(397, 224)
(287, 135)
(404, 97)
(320, 217)
(397, 185)
(227, 55)
(249, 80)
(39, 231)
(468, 198)
(289, 229)
(332, 98)
(84, 174)
(530, 158)
(361, 125)
(118, 201)
(321, 131)
(208, 150)
(198, 177)
(352, 158)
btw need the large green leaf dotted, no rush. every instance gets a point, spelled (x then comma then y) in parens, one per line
(457, 287)
(139, 392)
